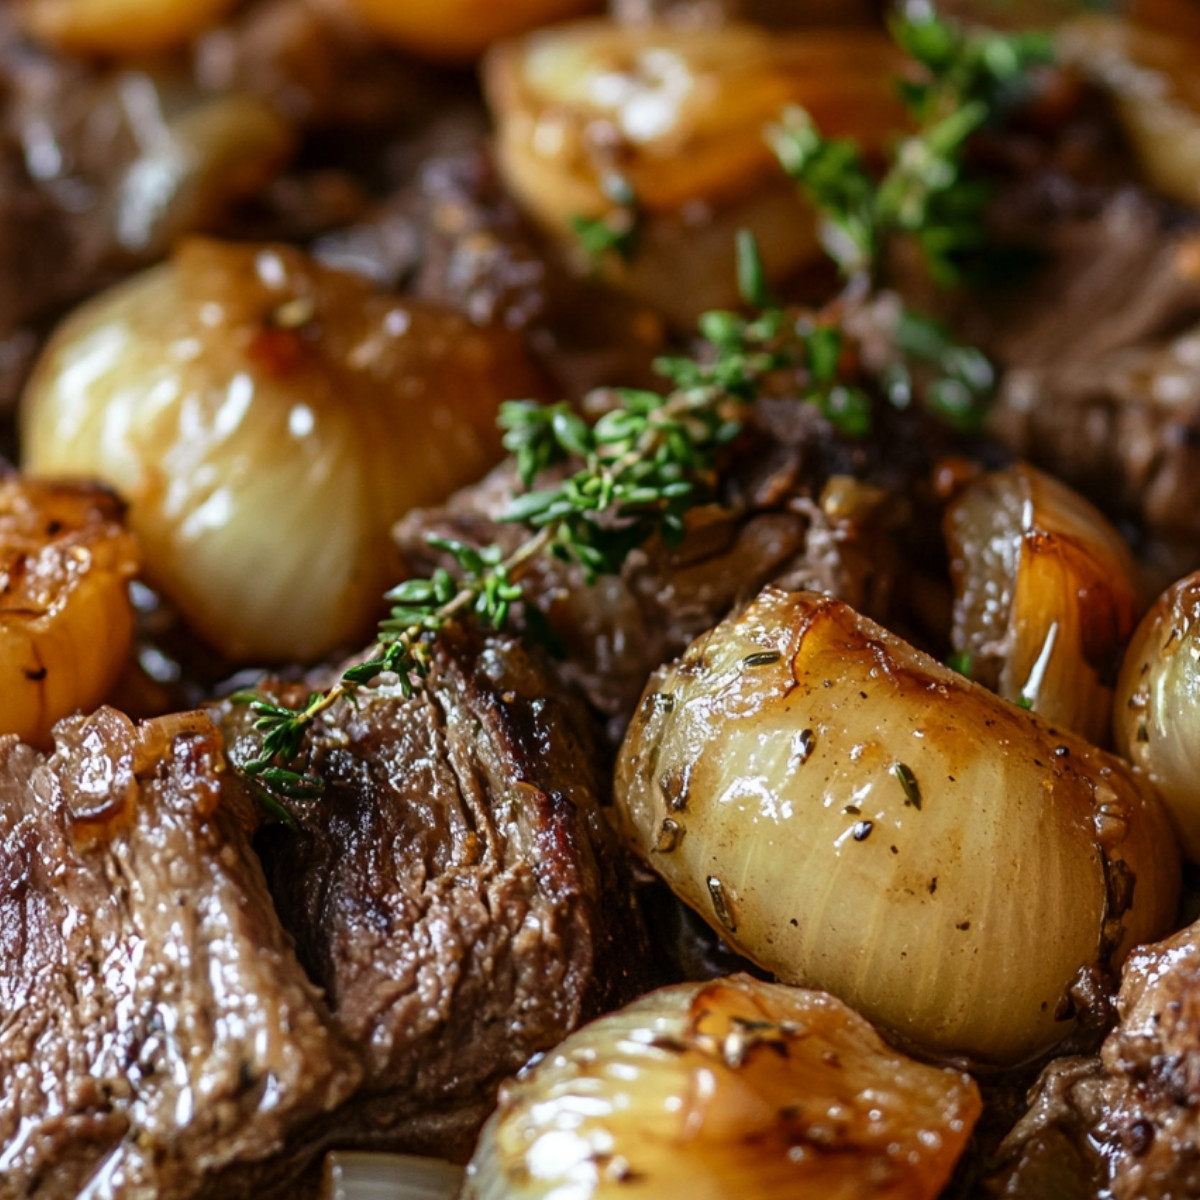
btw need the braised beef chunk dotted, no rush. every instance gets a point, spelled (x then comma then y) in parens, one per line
(1125, 1124)
(453, 889)
(798, 505)
(156, 1026)
(1102, 355)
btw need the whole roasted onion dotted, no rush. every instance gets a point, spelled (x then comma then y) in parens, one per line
(727, 1088)
(267, 419)
(854, 816)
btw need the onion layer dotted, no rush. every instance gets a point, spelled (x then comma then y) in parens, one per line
(1156, 712)
(268, 419)
(733, 1087)
(66, 621)
(854, 816)
(1046, 595)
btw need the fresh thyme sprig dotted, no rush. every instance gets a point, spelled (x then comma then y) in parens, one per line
(641, 466)
(970, 81)
(651, 457)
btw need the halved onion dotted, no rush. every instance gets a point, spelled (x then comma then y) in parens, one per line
(1150, 74)
(729, 1088)
(1156, 713)
(460, 30)
(268, 419)
(119, 27)
(66, 621)
(1046, 595)
(676, 117)
(854, 816)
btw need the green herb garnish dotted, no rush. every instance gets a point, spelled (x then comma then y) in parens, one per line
(652, 457)
(970, 80)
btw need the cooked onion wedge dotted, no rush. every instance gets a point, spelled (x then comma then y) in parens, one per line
(1156, 714)
(856, 817)
(267, 419)
(66, 621)
(1046, 595)
(728, 1088)
(677, 117)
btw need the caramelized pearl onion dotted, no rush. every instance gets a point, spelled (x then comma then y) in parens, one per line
(268, 419)
(854, 816)
(732, 1087)
(66, 621)
(1046, 595)
(1156, 713)
(679, 114)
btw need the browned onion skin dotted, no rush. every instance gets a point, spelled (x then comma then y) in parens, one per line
(854, 816)
(1046, 595)
(1156, 711)
(66, 621)
(732, 1087)
(268, 419)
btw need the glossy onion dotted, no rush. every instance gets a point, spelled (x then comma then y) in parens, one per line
(728, 1088)
(1150, 74)
(200, 160)
(460, 29)
(1046, 595)
(1156, 713)
(268, 419)
(66, 621)
(677, 116)
(854, 816)
(119, 27)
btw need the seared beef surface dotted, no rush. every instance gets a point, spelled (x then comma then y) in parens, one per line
(1125, 1124)
(454, 889)
(155, 1026)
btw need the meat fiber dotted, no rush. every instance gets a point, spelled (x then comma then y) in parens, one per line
(454, 889)
(158, 1038)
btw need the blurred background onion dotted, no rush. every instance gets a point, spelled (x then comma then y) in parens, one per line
(1156, 712)
(66, 621)
(1046, 594)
